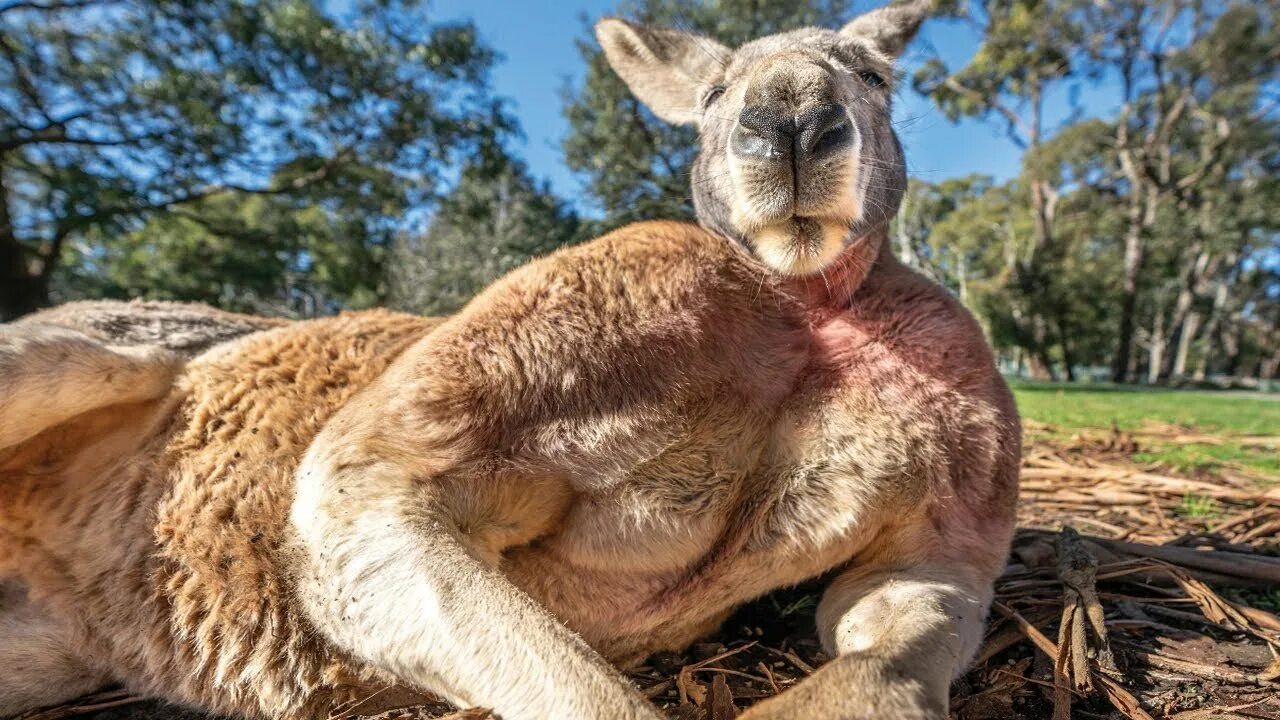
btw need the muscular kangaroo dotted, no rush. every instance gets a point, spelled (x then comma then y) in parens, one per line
(598, 458)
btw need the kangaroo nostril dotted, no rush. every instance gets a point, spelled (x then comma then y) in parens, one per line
(767, 122)
(749, 143)
(823, 129)
(769, 133)
(832, 139)
(762, 132)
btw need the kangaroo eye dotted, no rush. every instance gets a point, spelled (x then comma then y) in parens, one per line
(874, 79)
(712, 95)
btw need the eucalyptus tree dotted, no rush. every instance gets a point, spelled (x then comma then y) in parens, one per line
(496, 218)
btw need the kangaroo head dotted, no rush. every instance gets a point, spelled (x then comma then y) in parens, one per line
(798, 156)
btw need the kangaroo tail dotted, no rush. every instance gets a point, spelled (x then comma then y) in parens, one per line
(49, 375)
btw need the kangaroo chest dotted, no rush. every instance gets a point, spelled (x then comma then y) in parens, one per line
(745, 502)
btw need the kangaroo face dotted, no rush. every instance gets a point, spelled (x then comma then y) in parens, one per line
(798, 157)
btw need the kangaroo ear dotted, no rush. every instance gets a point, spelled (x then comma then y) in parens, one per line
(668, 70)
(890, 28)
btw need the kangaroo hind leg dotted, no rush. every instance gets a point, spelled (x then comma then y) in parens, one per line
(49, 375)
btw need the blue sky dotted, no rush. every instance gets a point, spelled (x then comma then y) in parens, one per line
(539, 57)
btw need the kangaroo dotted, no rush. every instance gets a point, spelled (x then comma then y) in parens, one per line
(598, 458)
(62, 362)
(186, 329)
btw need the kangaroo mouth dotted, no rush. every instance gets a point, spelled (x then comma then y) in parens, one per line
(799, 245)
(796, 228)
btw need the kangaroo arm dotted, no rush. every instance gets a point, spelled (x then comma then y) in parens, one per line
(899, 630)
(473, 441)
(392, 577)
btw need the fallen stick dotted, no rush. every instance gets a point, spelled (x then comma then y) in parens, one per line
(1208, 672)
(1120, 699)
(1216, 561)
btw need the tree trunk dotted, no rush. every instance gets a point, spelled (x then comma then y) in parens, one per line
(1189, 277)
(1214, 343)
(1134, 256)
(1186, 336)
(1041, 365)
(21, 289)
(1231, 346)
(1038, 366)
(1267, 370)
(1159, 343)
(1064, 343)
(906, 245)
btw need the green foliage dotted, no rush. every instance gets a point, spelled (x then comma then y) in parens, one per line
(1127, 239)
(251, 253)
(1026, 47)
(636, 166)
(494, 220)
(119, 112)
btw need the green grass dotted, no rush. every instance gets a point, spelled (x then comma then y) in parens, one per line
(1196, 506)
(1190, 458)
(1070, 408)
(1096, 406)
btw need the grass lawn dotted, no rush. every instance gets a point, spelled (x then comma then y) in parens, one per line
(1070, 408)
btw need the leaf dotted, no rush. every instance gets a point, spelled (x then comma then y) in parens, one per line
(720, 705)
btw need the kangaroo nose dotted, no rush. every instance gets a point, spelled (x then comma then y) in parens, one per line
(763, 132)
(823, 130)
(766, 133)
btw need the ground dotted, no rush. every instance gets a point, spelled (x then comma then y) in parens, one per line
(1144, 580)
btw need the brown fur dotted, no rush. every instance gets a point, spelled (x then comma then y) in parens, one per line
(598, 458)
(156, 528)
(723, 437)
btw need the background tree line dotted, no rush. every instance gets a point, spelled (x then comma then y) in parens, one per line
(276, 157)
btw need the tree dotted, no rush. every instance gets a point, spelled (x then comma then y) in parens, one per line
(1182, 65)
(495, 219)
(114, 112)
(1196, 85)
(1023, 57)
(636, 166)
(925, 205)
(272, 254)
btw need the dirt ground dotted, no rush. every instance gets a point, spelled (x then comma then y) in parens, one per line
(1131, 592)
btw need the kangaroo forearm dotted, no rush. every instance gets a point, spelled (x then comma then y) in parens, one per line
(395, 584)
(899, 637)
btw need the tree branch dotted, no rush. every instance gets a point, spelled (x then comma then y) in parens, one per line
(53, 6)
(22, 79)
(1015, 122)
(1211, 156)
(70, 224)
(55, 133)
